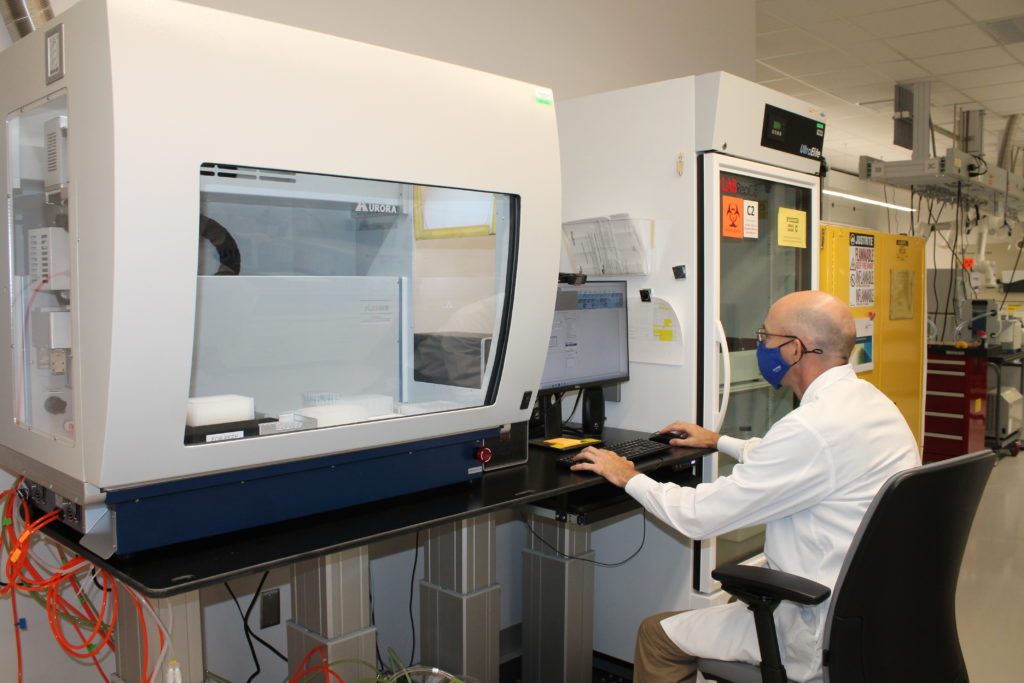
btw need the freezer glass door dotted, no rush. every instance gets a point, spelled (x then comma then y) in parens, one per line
(761, 243)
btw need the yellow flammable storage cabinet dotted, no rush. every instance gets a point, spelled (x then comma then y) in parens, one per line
(882, 278)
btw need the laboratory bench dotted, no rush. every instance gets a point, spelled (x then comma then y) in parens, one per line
(458, 588)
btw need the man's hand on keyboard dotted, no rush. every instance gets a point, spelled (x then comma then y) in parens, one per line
(608, 464)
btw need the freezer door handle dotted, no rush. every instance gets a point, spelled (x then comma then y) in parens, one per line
(719, 415)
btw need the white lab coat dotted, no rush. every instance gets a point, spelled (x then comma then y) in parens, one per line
(810, 480)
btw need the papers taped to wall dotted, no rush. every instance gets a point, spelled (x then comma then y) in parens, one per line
(607, 245)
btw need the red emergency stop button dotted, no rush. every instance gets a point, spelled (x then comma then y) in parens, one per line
(484, 454)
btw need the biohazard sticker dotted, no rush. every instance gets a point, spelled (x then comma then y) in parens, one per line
(732, 216)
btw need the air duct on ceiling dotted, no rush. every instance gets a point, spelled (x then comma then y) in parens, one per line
(22, 16)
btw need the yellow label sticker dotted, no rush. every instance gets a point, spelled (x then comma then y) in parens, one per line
(792, 230)
(564, 442)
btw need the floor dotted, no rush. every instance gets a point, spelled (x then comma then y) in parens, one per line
(605, 671)
(990, 596)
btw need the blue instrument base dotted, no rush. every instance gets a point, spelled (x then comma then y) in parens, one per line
(156, 515)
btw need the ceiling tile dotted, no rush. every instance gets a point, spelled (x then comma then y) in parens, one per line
(1014, 105)
(981, 77)
(966, 61)
(1017, 50)
(874, 92)
(843, 78)
(768, 23)
(827, 102)
(836, 133)
(837, 138)
(915, 19)
(858, 127)
(983, 10)
(809, 62)
(954, 97)
(839, 31)
(840, 114)
(798, 12)
(941, 41)
(873, 52)
(996, 92)
(902, 70)
(766, 73)
(879, 106)
(879, 127)
(791, 86)
(943, 95)
(851, 9)
(788, 42)
(996, 121)
(891, 153)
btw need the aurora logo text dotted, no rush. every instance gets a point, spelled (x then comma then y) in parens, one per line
(363, 207)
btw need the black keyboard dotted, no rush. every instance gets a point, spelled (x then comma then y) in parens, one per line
(630, 450)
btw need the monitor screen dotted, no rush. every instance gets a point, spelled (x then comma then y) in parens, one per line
(588, 344)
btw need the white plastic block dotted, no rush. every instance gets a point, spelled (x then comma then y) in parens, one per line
(212, 410)
(334, 414)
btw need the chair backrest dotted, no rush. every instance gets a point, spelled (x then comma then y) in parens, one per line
(892, 617)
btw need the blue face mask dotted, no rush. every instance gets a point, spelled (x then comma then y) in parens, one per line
(769, 361)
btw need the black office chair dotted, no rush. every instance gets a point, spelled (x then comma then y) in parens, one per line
(893, 618)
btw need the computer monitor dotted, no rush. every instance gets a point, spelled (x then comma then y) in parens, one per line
(588, 350)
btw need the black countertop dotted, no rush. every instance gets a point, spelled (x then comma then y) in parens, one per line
(170, 570)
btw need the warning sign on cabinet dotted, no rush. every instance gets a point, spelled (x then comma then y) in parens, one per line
(862, 269)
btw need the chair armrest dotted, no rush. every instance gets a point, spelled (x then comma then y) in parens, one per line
(770, 584)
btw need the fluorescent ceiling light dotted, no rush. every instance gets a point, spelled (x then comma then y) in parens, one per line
(865, 200)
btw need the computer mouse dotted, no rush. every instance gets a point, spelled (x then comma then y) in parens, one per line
(666, 437)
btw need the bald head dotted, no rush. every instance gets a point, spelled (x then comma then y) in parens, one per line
(819, 319)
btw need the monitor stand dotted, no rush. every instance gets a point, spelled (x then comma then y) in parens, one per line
(551, 414)
(593, 411)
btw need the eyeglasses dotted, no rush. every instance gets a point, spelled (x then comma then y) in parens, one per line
(763, 333)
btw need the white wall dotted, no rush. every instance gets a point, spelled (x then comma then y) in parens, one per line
(575, 47)
(842, 211)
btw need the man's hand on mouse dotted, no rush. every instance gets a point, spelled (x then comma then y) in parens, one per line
(608, 464)
(618, 470)
(691, 435)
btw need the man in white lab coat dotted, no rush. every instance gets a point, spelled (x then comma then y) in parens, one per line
(810, 480)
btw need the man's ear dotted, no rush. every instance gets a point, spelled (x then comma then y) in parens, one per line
(799, 351)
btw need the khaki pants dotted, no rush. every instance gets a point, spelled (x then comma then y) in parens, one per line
(657, 659)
